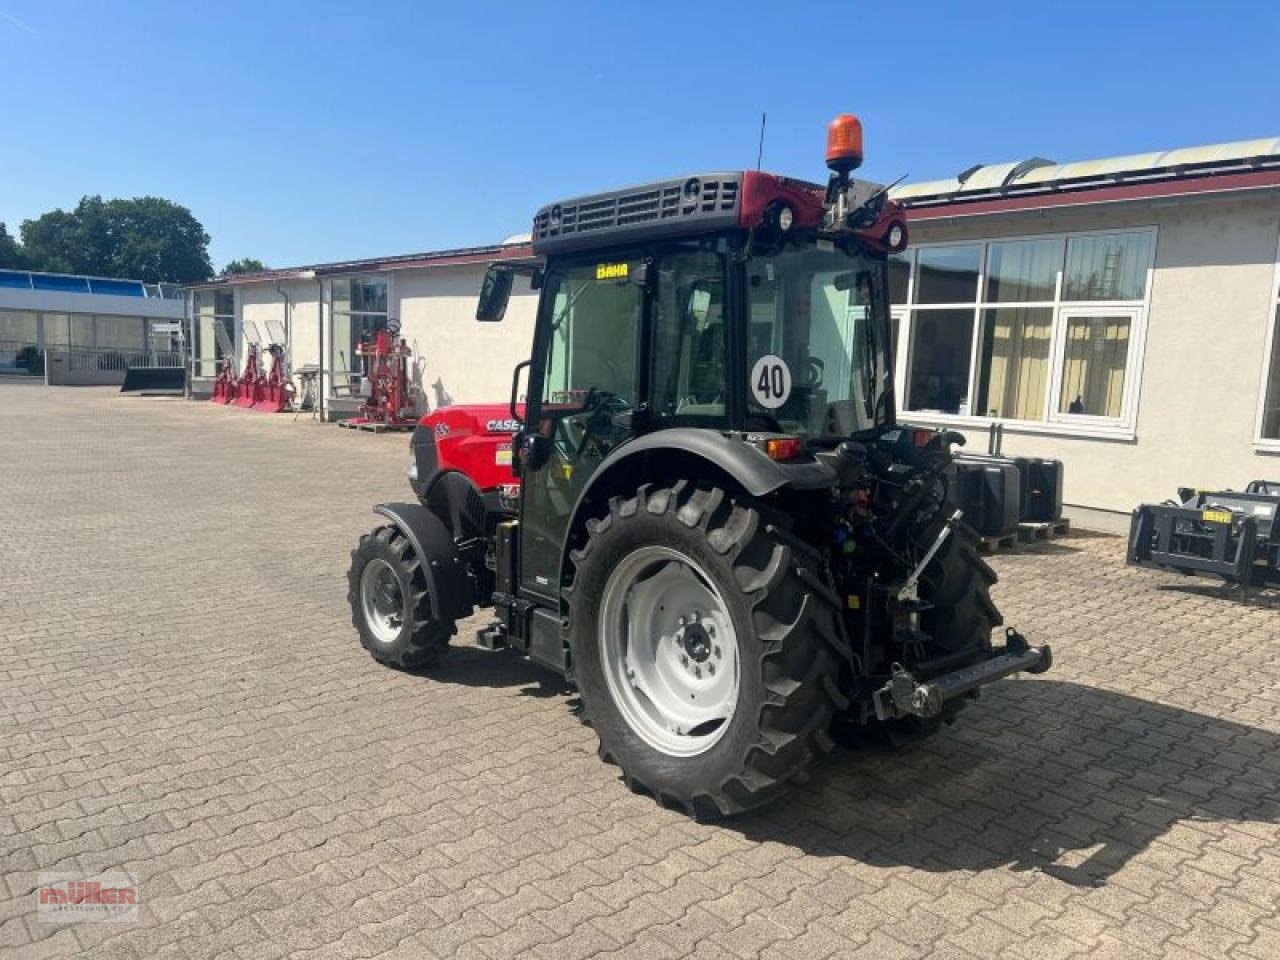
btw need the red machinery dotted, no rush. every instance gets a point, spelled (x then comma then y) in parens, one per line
(273, 389)
(224, 384)
(248, 386)
(387, 369)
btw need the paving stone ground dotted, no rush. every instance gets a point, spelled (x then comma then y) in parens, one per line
(182, 697)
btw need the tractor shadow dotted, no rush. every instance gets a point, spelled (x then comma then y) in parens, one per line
(469, 666)
(1263, 597)
(1041, 775)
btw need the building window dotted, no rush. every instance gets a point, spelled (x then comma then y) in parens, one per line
(358, 306)
(120, 333)
(1013, 367)
(1271, 401)
(948, 274)
(19, 340)
(1031, 329)
(213, 330)
(941, 341)
(18, 328)
(1107, 267)
(1023, 271)
(900, 276)
(1269, 407)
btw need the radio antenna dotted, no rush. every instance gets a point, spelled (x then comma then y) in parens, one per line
(760, 150)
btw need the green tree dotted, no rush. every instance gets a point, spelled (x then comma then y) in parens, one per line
(11, 257)
(143, 238)
(243, 265)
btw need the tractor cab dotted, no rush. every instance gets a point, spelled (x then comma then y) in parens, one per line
(745, 306)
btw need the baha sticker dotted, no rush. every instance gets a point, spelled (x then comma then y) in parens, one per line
(770, 382)
(611, 271)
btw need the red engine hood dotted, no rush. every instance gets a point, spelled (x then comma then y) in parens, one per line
(470, 419)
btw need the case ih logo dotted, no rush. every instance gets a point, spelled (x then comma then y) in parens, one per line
(70, 897)
(502, 426)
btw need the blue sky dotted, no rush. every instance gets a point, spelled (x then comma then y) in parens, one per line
(309, 131)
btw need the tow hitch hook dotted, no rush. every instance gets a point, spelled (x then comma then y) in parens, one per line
(904, 696)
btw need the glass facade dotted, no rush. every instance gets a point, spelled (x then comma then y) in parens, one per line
(1033, 329)
(213, 330)
(358, 309)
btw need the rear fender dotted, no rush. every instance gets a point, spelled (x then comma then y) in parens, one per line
(665, 456)
(448, 585)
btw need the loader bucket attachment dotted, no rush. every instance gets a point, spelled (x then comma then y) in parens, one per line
(160, 381)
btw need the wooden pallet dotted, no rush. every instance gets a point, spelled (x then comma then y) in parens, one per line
(1030, 532)
(992, 544)
(376, 427)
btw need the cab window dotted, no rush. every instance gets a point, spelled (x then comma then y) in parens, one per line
(690, 350)
(595, 321)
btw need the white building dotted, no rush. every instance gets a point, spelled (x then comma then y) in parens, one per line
(322, 313)
(1118, 314)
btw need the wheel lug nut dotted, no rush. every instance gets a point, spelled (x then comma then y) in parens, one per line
(711, 669)
(697, 671)
(684, 660)
(716, 651)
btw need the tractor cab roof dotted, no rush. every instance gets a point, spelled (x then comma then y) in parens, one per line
(697, 203)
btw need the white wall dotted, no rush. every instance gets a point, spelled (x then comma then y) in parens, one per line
(457, 359)
(1211, 304)
(262, 305)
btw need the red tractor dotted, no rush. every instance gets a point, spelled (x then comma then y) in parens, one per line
(706, 515)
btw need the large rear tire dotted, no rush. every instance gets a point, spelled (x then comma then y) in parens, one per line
(670, 583)
(958, 583)
(390, 608)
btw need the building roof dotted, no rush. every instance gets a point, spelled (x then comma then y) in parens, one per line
(1036, 183)
(81, 283)
(514, 248)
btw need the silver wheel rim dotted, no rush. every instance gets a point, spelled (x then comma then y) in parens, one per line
(669, 651)
(382, 600)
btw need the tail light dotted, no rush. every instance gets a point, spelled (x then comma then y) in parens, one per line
(782, 448)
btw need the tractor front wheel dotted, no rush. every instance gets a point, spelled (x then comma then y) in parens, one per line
(706, 664)
(390, 607)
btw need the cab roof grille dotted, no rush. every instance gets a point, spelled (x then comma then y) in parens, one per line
(685, 205)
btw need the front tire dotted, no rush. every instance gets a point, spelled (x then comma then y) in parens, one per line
(390, 607)
(667, 580)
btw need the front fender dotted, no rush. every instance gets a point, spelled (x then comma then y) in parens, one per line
(448, 585)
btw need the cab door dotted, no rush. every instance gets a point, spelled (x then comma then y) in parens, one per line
(586, 385)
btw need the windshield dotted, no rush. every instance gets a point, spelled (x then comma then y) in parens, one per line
(816, 359)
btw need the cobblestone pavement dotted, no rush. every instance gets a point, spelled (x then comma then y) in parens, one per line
(182, 697)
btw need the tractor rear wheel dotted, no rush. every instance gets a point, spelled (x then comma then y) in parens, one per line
(390, 607)
(706, 663)
(958, 582)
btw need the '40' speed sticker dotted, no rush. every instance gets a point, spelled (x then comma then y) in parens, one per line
(771, 382)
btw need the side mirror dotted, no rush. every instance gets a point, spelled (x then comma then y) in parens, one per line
(495, 292)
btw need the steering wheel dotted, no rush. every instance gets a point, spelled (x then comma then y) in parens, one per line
(601, 407)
